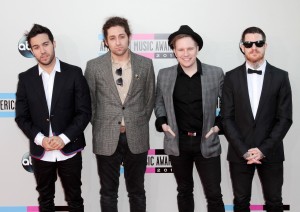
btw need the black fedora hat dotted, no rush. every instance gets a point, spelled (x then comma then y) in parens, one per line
(185, 29)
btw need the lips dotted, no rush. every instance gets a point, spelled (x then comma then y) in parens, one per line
(45, 57)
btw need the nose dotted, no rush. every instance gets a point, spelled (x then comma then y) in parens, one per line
(253, 46)
(186, 52)
(42, 50)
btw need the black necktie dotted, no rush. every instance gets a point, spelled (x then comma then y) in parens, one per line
(251, 71)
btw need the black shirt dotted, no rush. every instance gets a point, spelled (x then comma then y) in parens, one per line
(187, 100)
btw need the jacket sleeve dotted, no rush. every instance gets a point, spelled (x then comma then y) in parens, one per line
(82, 107)
(91, 80)
(283, 117)
(150, 91)
(23, 116)
(231, 129)
(159, 108)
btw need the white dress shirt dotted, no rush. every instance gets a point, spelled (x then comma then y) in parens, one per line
(48, 82)
(255, 83)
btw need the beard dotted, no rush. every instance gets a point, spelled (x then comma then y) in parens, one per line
(255, 56)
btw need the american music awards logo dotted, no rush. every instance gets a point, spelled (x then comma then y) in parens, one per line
(153, 46)
(7, 105)
(157, 162)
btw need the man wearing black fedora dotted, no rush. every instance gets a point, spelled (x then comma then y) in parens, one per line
(186, 99)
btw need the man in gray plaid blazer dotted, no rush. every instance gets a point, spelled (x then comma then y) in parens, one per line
(186, 99)
(122, 88)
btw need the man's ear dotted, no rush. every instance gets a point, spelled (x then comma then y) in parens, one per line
(242, 48)
(105, 43)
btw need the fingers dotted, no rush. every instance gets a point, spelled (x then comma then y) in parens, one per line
(56, 143)
(46, 144)
(167, 128)
(214, 129)
(210, 132)
(171, 132)
(253, 161)
(256, 153)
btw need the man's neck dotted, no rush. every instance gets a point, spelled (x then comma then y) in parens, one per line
(121, 59)
(190, 71)
(257, 64)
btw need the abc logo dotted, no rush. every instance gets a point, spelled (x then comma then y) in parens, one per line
(26, 162)
(24, 48)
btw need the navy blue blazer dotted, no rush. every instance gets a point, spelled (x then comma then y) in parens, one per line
(70, 108)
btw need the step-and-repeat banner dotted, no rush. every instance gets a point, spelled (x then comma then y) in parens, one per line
(77, 25)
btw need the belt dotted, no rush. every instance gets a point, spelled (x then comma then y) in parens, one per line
(122, 129)
(190, 133)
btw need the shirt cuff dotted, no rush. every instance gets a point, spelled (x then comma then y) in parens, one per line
(38, 140)
(65, 139)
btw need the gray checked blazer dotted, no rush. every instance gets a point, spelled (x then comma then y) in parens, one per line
(107, 108)
(212, 82)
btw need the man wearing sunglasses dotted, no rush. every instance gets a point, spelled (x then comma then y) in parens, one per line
(122, 88)
(257, 114)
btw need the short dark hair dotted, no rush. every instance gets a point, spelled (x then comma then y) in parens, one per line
(252, 30)
(177, 37)
(36, 30)
(116, 21)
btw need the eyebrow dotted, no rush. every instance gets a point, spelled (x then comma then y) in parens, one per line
(116, 35)
(41, 44)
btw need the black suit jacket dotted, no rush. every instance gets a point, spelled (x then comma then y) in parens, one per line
(70, 107)
(273, 119)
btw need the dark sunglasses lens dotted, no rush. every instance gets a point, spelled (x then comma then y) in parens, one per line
(119, 71)
(259, 43)
(119, 81)
(248, 44)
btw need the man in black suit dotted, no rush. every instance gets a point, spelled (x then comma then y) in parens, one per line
(52, 109)
(257, 114)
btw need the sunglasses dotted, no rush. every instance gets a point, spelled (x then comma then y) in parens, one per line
(249, 44)
(119, 73)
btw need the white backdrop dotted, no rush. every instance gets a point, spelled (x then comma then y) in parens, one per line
(76, 26)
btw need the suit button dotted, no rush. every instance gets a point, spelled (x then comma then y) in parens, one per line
(119, 122)
(123, 108)
(47, 120)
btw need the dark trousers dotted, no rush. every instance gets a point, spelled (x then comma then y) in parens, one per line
(69, 172)
(209, 170)
(134, 172)
(271, 178)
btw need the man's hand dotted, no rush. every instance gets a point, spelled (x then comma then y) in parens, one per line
(254, 156)
(46, 143)
(57, 143)
(212, 130)
(167, 128)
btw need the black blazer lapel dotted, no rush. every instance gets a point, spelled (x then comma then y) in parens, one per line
(265, 89)
(57, 88)
(242, 79)
(39, 88)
